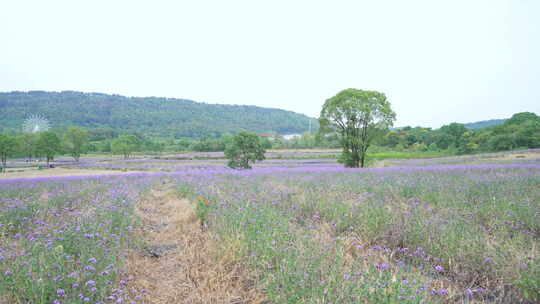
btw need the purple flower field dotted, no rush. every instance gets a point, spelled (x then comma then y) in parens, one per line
(309, 231)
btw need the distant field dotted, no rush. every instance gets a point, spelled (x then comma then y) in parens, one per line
(457, 229)
(33, 172)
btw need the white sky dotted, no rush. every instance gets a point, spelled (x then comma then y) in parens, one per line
(437, 61)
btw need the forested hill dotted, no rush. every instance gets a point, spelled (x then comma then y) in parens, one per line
(484, 124)
(149, 116)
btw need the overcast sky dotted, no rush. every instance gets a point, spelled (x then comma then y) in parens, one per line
(437, 61)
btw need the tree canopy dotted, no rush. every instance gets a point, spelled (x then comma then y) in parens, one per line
(245, 149)
(48, 144)
(7, 148)
(125, 145)
(358, 117)
(76, 141)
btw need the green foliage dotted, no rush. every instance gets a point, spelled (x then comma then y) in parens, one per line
(76, 140)
(125, 145)
(358, 117)
(520, 118)
(7, 147)
(520, 131)
(245, 149)
(48, 144)
(202, 210)
(28, 145)
(454, 131)
(529, 280)
(107, 116)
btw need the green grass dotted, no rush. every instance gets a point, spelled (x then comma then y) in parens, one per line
(300, 234)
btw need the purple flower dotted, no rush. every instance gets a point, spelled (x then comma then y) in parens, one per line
(443, 292)
(90, 283)
(92, 260)
(439, 268)
(382, 266)
(60, 292)
(480, 290)
(89, 268)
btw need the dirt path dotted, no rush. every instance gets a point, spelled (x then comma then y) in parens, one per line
(178, 262)
(34, 172)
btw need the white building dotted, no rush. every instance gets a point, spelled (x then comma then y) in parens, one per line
(291, 136)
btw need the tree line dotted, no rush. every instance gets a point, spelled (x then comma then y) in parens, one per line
(522, 130)
(47, 144)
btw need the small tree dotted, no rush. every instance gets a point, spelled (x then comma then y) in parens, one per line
(358, 117)
(8, 146)
(125, 145)
(48, 144)
(76, 142)
(28, 143)
(245, 149)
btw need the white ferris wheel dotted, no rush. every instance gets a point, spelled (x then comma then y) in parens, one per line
(35, 124)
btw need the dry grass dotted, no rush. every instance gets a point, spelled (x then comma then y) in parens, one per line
(199, 270)
(524, 155)
(329, 151)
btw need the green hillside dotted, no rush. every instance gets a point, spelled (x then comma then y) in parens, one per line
(149, 116)
(484, 124)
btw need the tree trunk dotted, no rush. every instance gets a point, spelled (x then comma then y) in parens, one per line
(354, 157)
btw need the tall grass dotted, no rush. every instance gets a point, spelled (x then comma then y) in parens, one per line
(460, 234)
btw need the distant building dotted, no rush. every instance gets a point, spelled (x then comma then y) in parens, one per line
(270, 137)
(291, 136)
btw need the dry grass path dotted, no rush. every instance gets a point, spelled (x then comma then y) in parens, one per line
(14, 173)
(178, 262)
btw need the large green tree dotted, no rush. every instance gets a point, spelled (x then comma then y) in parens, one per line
(245, 149)
(48, 144)
(125, 145)
(358, 117)
(76, 141)
(8, 146)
